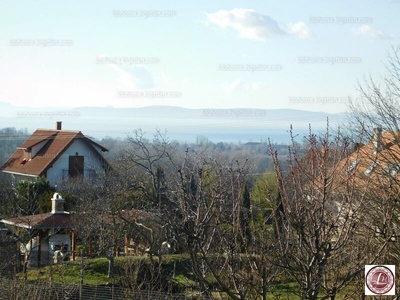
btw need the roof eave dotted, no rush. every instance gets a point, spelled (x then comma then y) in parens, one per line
(22, 174)
(23, 225)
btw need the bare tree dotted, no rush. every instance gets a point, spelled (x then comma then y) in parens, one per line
(142, 166)
(378, 103)
(211, 221)
(375, 115)
(204, 204)
(324, 241)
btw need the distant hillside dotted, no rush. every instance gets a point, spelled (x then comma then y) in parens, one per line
(182, 124)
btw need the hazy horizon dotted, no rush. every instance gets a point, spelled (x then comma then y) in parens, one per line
(185, 125)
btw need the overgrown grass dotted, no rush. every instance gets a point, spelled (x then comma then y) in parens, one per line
(133, 271)
(95, 270)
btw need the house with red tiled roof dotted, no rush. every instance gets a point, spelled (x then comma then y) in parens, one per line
(373, 167)
(57, 155)
(47, 233)
(48, 237)
(372, 171)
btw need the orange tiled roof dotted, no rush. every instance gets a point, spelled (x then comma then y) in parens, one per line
(369, 169)
(57, 141)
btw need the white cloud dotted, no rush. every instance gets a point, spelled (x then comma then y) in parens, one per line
(136, 77)
(368, 31)
(255, 26)
(258, 86)
(164, 77)
(185, 80)
(300, 30)
(124, 78)
(234, 86)
(130, 76)
(239, 85)
(142, 78)
(247, 22)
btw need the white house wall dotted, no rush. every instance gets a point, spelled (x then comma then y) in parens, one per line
(59, 170)
(59, 240)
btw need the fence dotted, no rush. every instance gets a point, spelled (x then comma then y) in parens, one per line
(19, 289)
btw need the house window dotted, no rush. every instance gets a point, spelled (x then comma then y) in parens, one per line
(76, 166)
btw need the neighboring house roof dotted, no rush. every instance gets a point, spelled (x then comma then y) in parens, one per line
(125, 216)
(373, 165)
(56, 142)
(252, 144)
(41, 221)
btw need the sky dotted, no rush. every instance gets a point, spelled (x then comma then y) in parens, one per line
(261, 54)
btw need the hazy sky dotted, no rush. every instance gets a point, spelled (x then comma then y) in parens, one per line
(196, 54)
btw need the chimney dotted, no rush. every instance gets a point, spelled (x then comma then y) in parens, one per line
(57, 204)
(377, 140)
(58, 125)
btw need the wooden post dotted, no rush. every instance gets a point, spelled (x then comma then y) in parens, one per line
(126, 244)
(39, 248)
(82, 272)
(73, 244)
(90, 245)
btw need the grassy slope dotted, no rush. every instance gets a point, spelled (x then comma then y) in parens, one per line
(133, 272)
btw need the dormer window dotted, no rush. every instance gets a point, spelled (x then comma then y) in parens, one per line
(392, 169)
(36, 148)
(371, 168)
(353, 165)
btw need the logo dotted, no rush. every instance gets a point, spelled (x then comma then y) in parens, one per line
(379, 280)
